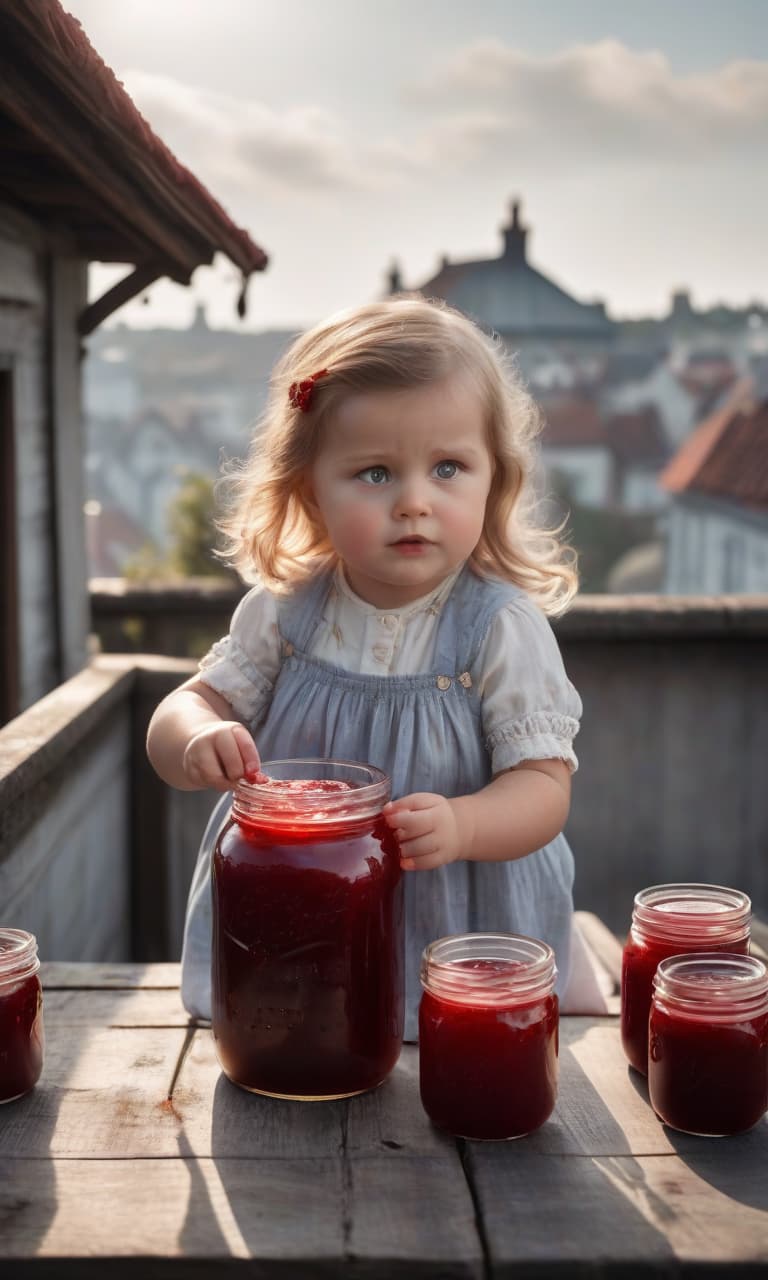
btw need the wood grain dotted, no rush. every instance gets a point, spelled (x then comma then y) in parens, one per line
(100, 1167)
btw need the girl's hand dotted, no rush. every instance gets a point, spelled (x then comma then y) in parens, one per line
(431, 830)
(219, 755)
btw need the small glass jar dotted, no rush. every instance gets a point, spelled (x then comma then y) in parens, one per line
(308, 944)
(708, 1032)
(488, 1034)
(21, 1014)
(669, 919)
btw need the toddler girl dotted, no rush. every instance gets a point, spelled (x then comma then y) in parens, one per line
(385, 514)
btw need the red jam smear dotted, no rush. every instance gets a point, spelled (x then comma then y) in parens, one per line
(639, 963)
(21, 1036)
(298, 786)
(708, 1078)
(308, 982)
(488, 1070)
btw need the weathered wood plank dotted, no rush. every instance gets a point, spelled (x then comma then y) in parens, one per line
(296, 1218)
(223, 1120)
(102, 1093)
(412, 1216)
(163, 1209)
(392, 1117)
(543, 1216)
(87, 975)
(116, 1007)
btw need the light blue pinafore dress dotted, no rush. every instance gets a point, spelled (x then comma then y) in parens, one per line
(425, 732)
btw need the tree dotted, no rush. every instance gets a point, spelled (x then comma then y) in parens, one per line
(193, 537)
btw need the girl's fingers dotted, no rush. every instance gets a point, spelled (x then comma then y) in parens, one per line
(411, 825)
(204, 769)
(249, 756)
(421, 847)
(228, 753)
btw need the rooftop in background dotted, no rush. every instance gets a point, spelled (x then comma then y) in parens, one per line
(508, 295)
(73, 142)
(727, 455)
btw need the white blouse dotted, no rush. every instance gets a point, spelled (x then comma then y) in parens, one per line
(530, 709)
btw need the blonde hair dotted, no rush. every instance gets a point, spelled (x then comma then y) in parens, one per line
(273, 536)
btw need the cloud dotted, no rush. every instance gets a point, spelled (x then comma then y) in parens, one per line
(602, 102)
(242, 144)
(485, 109)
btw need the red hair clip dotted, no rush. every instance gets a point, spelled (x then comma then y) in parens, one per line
(300, 393)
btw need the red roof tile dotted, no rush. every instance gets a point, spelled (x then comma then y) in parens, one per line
(571, 422)
(637, 436)
(727, 455)
(57, 88)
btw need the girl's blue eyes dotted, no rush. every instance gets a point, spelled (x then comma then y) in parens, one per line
(374, 475)
(445, 470)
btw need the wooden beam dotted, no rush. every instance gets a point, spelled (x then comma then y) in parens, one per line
(82, 147)
(96, 312)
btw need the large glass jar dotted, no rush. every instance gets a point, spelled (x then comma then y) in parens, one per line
(669, 919)
(308, 948)
(21, 1014)
(488, 1034)
(708, 1058)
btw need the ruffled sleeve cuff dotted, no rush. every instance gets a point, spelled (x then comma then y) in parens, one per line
(244, 665)
(228, 669)
(540, 735)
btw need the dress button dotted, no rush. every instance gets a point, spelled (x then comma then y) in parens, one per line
(388, 621)
(443, 682)
(381, 652)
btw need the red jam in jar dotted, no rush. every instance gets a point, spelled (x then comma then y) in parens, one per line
(488, 1034)
(669, 919)
(21, 1014)
(708, 1058)
(308, 958)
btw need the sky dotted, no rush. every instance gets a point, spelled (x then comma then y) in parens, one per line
(348, 134)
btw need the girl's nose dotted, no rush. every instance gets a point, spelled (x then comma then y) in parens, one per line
(412, 499)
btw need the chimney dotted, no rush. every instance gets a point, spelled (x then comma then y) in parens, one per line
(514, 236)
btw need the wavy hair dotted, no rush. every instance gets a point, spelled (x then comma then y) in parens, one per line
(272, 535)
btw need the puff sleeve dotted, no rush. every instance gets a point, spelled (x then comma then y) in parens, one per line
(244, 664)
(530, 709)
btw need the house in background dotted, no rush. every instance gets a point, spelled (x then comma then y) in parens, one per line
(83, 178)
(633, 386)
(135, 467)
(608, 461)
(717, 524)
(534, 316)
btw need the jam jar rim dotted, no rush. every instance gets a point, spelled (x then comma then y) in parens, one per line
(253, 802)
(736, 995)
(19, 959)
(449, 979)
(675, 924)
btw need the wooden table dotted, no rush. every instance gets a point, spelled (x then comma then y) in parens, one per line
(135, 1149)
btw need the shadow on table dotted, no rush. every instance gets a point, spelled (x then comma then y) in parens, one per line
(572, 1193)
(734, 1166)
(28, 1192)
(273, 1185)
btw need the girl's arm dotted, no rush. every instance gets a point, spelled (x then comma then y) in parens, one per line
(195, 740)
(518, 812)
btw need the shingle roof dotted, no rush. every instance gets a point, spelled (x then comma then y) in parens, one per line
(637, 436)
(79, 155)
(572, 421)
(727, 455)
(509, 296)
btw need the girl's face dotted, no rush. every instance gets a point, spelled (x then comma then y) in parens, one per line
(401, 480)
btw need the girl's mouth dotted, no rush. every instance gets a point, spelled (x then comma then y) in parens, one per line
(411, 546)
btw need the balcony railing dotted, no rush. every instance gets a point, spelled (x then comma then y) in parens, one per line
(96, 853)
